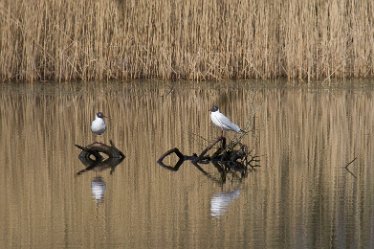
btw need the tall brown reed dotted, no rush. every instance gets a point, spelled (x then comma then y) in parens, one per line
(196, 39)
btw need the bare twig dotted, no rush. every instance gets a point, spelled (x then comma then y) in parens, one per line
(347, 165)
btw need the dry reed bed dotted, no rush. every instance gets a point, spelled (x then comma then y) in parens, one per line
(196, 39)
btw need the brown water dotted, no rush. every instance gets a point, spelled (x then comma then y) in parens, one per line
(301, 197)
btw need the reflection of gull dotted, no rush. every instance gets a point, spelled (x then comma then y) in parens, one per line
(220, 202)
(98, 189)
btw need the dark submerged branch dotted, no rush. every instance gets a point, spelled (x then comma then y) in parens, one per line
(91, 156)
(233, 158)
(209, 147)
(179, 154)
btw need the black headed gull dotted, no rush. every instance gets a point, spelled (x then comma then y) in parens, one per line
(222, 121)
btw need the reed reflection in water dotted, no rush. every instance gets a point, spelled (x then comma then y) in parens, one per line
(301, 197)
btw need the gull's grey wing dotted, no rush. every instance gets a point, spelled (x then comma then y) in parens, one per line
(227, 124)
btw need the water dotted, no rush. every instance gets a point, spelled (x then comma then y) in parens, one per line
(302, 196)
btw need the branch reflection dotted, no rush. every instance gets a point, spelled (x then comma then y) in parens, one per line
(98, 157)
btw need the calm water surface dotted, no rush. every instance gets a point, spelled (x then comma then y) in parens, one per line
(301, 197)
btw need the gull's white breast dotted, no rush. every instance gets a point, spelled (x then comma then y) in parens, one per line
(98, 126)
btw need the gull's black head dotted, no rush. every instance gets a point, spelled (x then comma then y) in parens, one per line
(214, 108)
(100, 115)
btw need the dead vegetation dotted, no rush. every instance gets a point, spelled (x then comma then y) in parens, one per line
(197, 40)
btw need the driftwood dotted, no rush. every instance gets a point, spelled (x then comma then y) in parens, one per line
(233, 158)
(92, 157)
